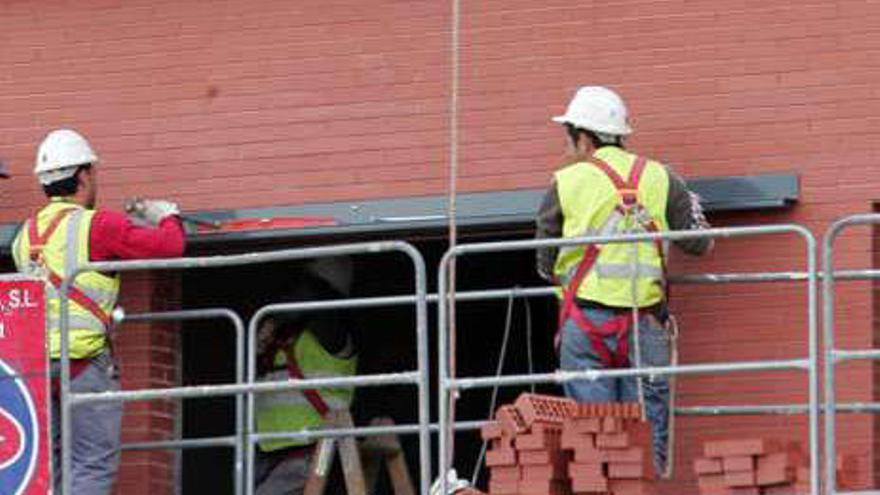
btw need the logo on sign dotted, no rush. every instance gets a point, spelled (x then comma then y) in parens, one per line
(18, 432)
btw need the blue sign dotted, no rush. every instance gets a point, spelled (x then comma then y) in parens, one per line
(19, 435)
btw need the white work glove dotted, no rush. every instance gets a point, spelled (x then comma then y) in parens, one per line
(152, 211)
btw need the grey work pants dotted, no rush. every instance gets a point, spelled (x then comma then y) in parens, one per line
(279, 473)
(95, 432)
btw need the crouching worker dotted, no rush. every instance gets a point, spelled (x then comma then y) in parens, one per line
(296, 346)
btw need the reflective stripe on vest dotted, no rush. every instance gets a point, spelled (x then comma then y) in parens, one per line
(590, 206)
(53, 257)
(292, 410)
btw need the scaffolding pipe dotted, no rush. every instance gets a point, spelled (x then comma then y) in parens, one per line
(201, 391)
(238, 326)
(839, 355)
(833, 355)
(447, 384)
(410, 429)
(420, 377)
(560, 376)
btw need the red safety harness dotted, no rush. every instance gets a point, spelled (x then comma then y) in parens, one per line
(312, 395)
(38, 242)
(619, 325)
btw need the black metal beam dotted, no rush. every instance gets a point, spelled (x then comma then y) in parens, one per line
(475, 211)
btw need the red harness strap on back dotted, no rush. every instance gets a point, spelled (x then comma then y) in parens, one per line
(617, 326)
(312, 395)
(38, 242)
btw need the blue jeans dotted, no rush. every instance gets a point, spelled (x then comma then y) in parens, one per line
(577, 353)
(95, 433)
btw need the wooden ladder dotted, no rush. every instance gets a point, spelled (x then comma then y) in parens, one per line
(361, 463)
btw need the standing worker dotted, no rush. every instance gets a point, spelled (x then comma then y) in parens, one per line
(301, 346)
(64, 234)
(607, 190)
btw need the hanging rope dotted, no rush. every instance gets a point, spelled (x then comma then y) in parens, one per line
(499, 368)
(453, 227)
(529, 358)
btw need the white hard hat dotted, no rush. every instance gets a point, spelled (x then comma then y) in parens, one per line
(60, 154)
(598, 109)
(336, 271)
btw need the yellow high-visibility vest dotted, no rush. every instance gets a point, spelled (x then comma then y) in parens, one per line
(292, 410)
(66, 248)
(589, 201)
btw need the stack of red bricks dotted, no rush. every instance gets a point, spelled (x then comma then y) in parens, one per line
(758, 466)
(610, 450)
(544, 445)
(525, 456)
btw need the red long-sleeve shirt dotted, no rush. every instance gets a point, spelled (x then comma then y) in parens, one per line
(114, 236)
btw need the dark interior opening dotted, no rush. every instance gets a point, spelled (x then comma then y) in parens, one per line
(387, 343)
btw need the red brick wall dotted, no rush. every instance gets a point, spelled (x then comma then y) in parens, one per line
(148, 358)
(234, 104)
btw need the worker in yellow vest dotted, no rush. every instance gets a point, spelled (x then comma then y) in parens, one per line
(64, 234)
(605, 189)
(309, 345)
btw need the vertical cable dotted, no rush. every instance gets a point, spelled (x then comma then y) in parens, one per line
(453, 227)
(499, 368)
(529, 351)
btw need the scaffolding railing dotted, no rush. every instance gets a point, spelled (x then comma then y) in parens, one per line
(245, 435)
(833, 355)
(452, 385)
(238, 327)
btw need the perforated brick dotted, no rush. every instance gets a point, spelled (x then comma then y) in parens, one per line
(504, 488)
(540, 439)
(738, 463)
(774, 474)
(582, 426)
(778, 468)
(573, 440)
(612, 425)
(505, 474)
(612, 441)
(740, 479)
(631, 487)
(631, 455)
(752, 446)
(628, 471)
(711, 483)
(588, 454)
(589, 486)
(511, 421)
(500, 458)
(544, 487)
(620, 410)
(536, 408)
(707, 466)
(539, 457)
(586, 471)
(795, 489)
(491, 431)
(558, 471)
(744, 491)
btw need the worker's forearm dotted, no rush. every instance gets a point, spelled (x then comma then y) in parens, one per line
(548, 225)
(684, 212)
(114, 236)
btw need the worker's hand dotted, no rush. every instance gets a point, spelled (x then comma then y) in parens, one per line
(152, 211)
